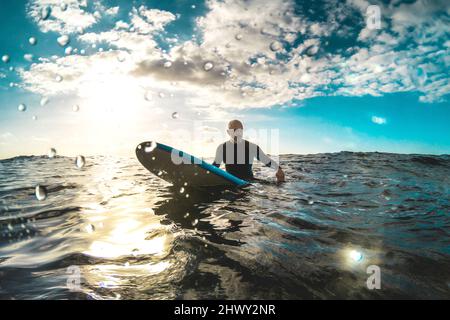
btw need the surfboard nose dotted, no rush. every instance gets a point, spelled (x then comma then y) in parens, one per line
(146, 147)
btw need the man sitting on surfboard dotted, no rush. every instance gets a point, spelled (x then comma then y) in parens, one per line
(238, 154)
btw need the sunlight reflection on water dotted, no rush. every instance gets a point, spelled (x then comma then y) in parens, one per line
(134, 237)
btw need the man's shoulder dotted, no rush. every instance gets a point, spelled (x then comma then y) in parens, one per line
(221, 145)
(251, 144)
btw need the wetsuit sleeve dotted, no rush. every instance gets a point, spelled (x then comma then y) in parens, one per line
(219, 156)
(265, 159)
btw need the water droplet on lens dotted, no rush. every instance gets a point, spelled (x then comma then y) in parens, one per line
(28, 57)
(75, 108)
(80, 161)
(195, 222)
(181, 190)
(58, 78)
(32, 41)
(148, 95)
(275, 46)
(89, 228)
(356, 255)
(22, 107)
(175, 115)
(63, 40)
(208, 66)
(121, 57)
(44, 101)
(312, 50)
(167, 64)
(150, 146)
(52, 153)
(41, 193)
(45, 13)
(238, 36)
(63, 6)
(5, 58)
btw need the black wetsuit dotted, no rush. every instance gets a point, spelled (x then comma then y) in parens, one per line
(238, 158)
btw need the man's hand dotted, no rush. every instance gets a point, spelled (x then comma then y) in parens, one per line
(280, 175)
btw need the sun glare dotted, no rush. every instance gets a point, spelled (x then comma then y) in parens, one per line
(112, 102)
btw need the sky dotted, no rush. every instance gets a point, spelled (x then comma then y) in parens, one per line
(99, 77)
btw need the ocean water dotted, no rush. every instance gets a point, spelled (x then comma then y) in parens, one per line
(111, 230)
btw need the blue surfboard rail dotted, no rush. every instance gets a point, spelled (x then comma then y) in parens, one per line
(194, 160)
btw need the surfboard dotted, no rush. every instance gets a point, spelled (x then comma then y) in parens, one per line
(182, 169)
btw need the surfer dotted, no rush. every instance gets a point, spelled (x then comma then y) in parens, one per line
(238, 154)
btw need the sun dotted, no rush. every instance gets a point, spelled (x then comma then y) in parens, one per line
(112, 101)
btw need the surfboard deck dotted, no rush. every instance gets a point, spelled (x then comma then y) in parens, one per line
(182, 169)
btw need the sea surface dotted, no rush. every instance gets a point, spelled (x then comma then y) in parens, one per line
(112, 230)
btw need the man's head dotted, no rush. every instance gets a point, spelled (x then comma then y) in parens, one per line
(235, 124)
(235, 130)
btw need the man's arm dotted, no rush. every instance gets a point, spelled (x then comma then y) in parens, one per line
(268, 162)
(265, 159)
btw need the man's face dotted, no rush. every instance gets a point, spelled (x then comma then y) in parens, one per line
(235, 131)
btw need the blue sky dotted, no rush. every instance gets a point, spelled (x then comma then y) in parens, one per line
(310, 77)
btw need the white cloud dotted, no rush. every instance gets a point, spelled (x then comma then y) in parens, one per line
(158, 19)
(6, 135)
(121, 25)
(147, 21)
(378, 120)
(62, 21)
(236, 37)
(112, 11)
